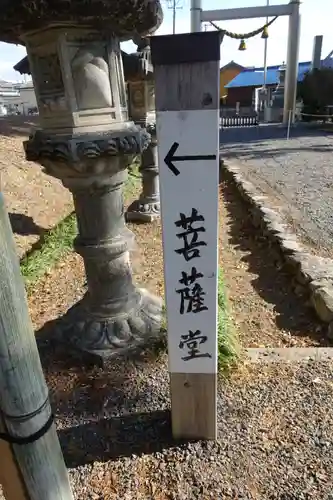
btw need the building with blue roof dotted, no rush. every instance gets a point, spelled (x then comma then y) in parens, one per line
(242, 88)
(254, 77)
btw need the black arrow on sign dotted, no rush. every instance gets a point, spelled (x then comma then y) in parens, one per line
(170, 158)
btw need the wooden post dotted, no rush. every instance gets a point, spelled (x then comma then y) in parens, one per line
(10, 477)
(24, 401)
(187, 115)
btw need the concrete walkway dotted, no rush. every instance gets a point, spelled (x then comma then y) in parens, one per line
(296, 174)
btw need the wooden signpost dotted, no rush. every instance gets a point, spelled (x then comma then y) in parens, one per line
(186, 69)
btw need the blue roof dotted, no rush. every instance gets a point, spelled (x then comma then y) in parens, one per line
(254, 77)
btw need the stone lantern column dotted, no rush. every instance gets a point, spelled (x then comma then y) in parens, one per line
(141, 103)
(87, 141)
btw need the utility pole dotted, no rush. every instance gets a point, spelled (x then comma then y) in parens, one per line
(174, 5)
(265, 54)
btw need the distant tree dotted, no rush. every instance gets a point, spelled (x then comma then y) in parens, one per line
(316, 92)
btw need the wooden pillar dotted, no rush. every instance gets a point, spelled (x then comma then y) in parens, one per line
(187, 73)
(10, 477)
(24, 401)
(291, 78)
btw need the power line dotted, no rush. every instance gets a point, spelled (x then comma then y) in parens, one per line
(174, 5)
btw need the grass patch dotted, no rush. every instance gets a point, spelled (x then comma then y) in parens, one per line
(227, 339)
(58, 242)
(55, 245)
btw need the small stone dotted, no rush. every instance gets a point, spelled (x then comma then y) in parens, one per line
(238, 178)
(314, 268)
(270, 215)
(285, 236)
(231, 168)
(320, 283)
(258, 199)
(322, 301)
(290, 246)
(248, 188)
(277, 228)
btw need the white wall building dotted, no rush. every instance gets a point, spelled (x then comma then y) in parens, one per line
(27, 98)
(17, 98)
(8, 92)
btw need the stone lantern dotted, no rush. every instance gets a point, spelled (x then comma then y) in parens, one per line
(87, 141)
(141, 104)
(278, 96)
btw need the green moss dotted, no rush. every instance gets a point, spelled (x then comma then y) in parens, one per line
(227, 338)
(55, 245)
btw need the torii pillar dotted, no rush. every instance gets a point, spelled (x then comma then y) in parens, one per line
(198, 16)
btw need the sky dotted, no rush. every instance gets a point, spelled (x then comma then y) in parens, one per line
(316, 20)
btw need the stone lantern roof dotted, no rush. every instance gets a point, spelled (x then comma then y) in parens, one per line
(124, 18)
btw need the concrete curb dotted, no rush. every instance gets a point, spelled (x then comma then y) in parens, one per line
(289, 354)
(312, 275)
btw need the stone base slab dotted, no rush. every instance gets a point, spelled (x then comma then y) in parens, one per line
(289, 354)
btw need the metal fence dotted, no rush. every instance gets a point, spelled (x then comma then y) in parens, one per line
(239, 121)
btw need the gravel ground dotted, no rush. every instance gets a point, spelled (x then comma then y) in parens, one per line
(296, 174)
(274, 423)
(275, 433)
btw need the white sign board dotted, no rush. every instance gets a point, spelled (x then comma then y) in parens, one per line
(188, 149)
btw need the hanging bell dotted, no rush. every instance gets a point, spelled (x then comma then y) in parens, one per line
(264, 33)
(242, 45)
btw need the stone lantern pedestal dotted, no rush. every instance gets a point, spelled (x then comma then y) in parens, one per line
(141, 104)
(87, 141)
